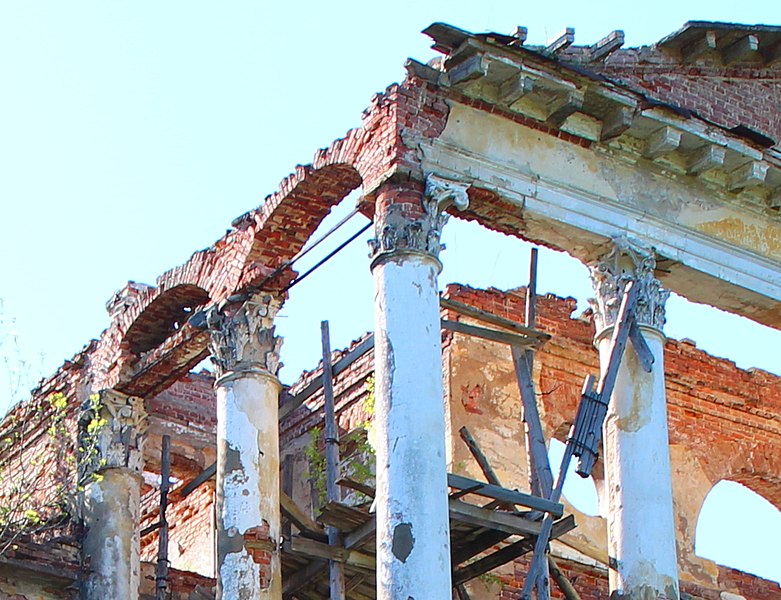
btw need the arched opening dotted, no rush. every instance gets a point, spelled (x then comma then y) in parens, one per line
(580, 492)
(738, 528)
(164, 315)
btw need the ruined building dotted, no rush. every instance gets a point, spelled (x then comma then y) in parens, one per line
(656, 166)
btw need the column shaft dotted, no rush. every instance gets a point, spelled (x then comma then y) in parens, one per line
(248, 514)
(113, 428)
(640, 521)
(413, 541)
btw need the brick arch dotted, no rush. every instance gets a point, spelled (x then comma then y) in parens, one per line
(287, 218)
(761, 475)
(165, 314)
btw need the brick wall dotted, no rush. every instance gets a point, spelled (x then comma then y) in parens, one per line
(739, 95)
(726, 419)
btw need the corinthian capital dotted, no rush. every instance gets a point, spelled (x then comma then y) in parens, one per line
(113, 428)
(397, 230)
(242, 338)
(627, 261)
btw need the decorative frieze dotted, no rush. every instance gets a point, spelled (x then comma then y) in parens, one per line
(112, 432)
(242, 337)
(627, 261)
(397, 231)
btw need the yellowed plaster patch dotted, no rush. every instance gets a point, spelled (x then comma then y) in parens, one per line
(762, 238)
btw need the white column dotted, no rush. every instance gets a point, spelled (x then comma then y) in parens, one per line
(413, 543)
(112, 433)
(246, 355)
(641, 527)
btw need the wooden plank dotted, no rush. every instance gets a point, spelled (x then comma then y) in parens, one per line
(644, 353)
(298, 516)
(538, 450)
(161, 576)
(488, 490)
(358, 536)
(290, 402)
(287, 489)
(512, 339)
(357, 486)
(478, 544)
(318, 550)
(204, 476)
(477, 453)
(508, 553)
(491, 519)
(481, 315)
(336, 568)
(569, 591)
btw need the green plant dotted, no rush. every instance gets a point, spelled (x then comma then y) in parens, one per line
(35, 475)
(92, 423)
(358, 458)
(316, 460)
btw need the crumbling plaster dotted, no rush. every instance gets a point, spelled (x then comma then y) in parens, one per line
(573, 198)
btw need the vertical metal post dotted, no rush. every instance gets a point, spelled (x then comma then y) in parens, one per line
(331, 461)
(161, 579)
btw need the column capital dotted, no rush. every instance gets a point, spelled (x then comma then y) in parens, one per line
(113, 430)
(242, 336)
(404, 224)
(627, 260)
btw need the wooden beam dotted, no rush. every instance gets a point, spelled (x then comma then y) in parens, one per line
(318, 568)
(566, 587)
(504, 337)
(299, 517)
(508, 553)
(492, 519)
(291, 402)
(363, 488)
(535, 438)
(478, 455)
(204, 476)
(318, 550)
(362, 533)
(642, 350)
(481, 315)
(479, 544)
(662, 141)
(331, 430)
(488, 490)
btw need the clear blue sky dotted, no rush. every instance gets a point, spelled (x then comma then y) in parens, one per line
(131, 134)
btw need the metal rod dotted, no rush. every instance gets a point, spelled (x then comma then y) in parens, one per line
(161, 579)
(331, 461)
(304, 251)
(327, 257)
